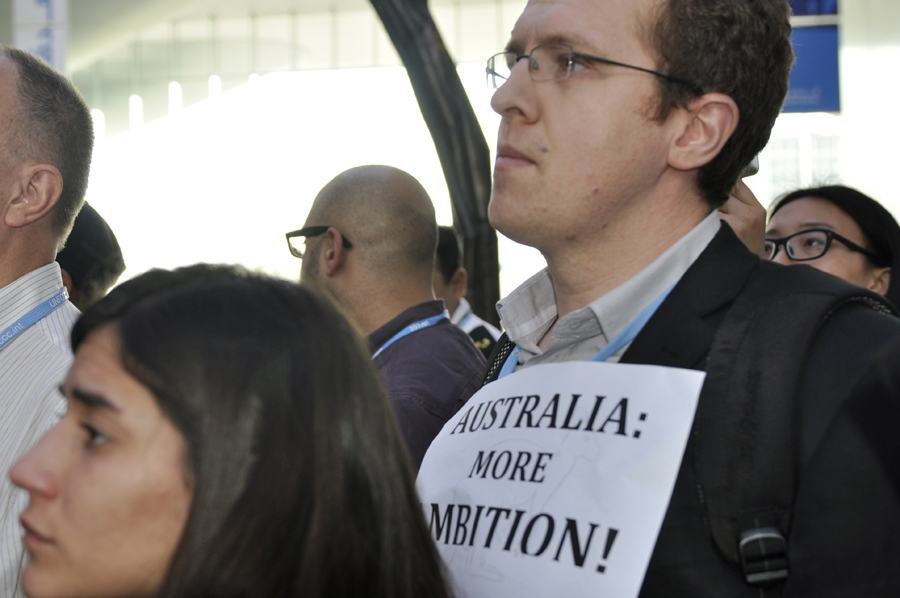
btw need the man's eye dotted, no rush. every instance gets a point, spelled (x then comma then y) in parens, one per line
(563, 63)
(576, 64)
(94, 436)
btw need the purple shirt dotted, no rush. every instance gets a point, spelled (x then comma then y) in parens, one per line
(429, 374)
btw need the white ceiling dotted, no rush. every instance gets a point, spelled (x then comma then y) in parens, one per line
(118, 48)
(97, 26)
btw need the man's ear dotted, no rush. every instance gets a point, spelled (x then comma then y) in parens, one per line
(40, 188)
(333, 253)
(458, 283)
(704, 128)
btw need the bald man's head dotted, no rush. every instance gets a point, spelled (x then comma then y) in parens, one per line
(387, 215)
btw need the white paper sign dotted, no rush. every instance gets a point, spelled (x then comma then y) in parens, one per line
(554, 480)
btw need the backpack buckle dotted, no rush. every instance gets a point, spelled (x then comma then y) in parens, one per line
(763, 553)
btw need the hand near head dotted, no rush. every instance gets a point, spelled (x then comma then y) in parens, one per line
(747, 217)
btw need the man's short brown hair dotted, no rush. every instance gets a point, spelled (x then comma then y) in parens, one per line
(741, 48)
(53, 125)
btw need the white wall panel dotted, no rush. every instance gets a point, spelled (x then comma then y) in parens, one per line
(870, 96)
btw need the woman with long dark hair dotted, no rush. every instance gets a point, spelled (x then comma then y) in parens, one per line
(226, 436)
(838, 230)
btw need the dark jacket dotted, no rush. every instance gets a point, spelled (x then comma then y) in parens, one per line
(685, 562)
(847, 526)
(428, 374)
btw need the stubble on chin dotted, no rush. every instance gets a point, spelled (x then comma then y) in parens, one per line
(509, 212)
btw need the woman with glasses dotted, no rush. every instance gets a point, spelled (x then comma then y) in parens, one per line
(226, 435)
(838, 230)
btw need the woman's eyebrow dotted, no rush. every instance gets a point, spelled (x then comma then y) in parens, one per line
(90, 399)
(804, 227)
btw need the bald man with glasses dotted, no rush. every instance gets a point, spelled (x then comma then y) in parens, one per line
(369, 241)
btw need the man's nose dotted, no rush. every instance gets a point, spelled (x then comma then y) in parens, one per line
(516, 95)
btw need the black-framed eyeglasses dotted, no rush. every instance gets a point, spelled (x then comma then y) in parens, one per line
(812, 244)
(555, 61)
(298, 246)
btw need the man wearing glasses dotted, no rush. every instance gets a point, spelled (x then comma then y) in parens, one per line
(625, 125)
(369, 241)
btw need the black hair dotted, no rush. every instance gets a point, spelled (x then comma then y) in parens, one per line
(878, 226)
(92, 257)
(301, 482)
(449, 253)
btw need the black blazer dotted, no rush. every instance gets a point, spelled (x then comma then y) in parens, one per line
(685, 562)
(847, 525)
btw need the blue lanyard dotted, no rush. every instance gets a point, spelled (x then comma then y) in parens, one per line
(632, 330)
(33, 316)
(614, 346)
(415, 327)
(512, 360)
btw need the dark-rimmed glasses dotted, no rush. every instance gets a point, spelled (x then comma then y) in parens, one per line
(812, 244)
(297, 247)
(555, 61)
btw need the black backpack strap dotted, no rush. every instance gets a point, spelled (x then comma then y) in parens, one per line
(746, 426)
(502, 349)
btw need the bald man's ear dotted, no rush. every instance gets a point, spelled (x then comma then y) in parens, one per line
(40, 186)
(703, 128)
(333, 253)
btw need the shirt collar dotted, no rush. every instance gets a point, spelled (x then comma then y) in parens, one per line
(529, 311)
(461, 311)
(25, 292)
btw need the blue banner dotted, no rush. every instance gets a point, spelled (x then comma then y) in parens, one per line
(814, 7)
(815, 84)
